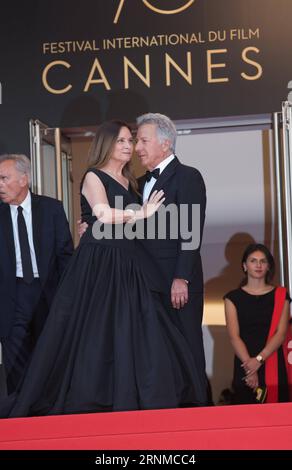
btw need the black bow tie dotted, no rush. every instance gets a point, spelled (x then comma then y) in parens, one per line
(152, 174)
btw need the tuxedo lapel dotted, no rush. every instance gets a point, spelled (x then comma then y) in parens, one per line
(8, 232)
(165, 175)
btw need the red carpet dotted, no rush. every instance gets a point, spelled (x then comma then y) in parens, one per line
(228, 427)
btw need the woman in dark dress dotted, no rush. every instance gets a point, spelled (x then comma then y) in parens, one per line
(106, 345)
(249, 314)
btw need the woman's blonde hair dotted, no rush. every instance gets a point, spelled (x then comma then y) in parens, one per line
(102, 148)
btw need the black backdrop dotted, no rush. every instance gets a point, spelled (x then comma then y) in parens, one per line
(254, 58)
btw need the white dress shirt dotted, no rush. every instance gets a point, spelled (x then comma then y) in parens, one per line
(26, 205)
(149, 184)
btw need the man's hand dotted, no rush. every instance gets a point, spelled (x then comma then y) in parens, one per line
(179, 293)
(81, 227)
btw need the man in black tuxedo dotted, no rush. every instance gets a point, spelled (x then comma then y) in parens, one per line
(35, 245)
(177, 276)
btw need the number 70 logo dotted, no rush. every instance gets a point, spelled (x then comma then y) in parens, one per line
(185, 4)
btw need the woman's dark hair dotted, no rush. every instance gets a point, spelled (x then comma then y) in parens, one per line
(102, 147)
(271, 262)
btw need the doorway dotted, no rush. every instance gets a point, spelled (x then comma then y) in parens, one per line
(51, 158)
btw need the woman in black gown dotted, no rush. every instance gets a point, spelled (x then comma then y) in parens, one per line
(249, 312)
(106, 345)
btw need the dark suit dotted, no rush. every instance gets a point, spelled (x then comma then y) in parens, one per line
(181, 185)
(24, 307)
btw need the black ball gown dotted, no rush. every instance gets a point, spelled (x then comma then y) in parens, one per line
(107, 344)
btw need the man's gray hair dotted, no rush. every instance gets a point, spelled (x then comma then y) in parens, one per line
(165, 127)
(22, 163)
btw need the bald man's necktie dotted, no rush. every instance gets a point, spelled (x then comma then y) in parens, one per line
(24, 247)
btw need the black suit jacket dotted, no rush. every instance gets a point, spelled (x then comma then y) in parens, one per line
(53, 247)
(182, 185)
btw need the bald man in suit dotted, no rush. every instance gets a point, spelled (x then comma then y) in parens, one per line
(35, 245)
